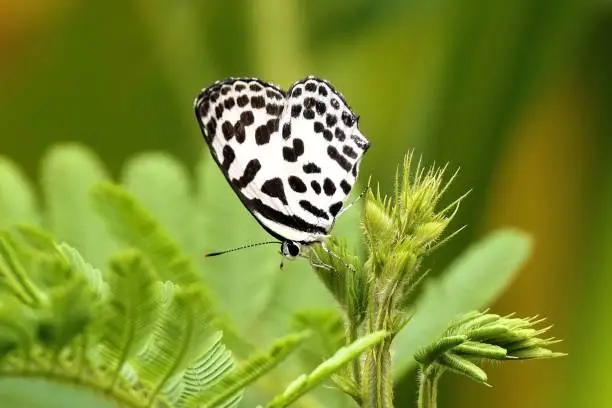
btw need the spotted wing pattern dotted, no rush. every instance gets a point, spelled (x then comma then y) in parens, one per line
(292, 158)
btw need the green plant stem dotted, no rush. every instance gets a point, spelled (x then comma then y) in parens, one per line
(428, 388)
(378, 383)
(378, 391)
(353, 333)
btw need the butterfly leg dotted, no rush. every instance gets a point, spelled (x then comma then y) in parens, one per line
(326, 249)
(353, 202)
(320, 264)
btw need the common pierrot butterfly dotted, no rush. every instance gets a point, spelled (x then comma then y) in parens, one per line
(291, 157)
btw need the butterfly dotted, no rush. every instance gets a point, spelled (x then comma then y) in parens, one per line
(291, 157)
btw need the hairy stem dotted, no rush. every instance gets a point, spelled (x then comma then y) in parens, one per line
(378, 387)
(352, 335)
(428, 388)
(378, 381)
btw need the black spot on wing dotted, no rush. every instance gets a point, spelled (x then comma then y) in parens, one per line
(309, 102)
(320, 107)
(219, 111)
(286, 130)
(317, 212)
(203, 108)
(292, 154)
(297, 184)
(331, 119)
(211, 128)
(348, 150)
(348, 119)
(262, 135)
(242, 101)
(334, 209)
(228, 158)
(309, 114)
(239, 131)
(255, 87)
(340, 135)
(316, 187)
(228, 130)
(272, 125)
(336, 156)
(247, 118)
(345, 186)
(229, 103)
(310, 168)
(329, 187)
(311, 86)
(275, 189)
(258, 102)
(274, 109)
(322, 90)
(251, 170)
(296, 110)
(297, 91)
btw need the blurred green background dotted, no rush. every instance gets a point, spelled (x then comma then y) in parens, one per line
(518, 94)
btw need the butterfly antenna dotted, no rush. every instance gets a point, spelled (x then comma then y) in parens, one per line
(239, 248)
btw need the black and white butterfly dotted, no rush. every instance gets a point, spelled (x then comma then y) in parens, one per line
(291, 157)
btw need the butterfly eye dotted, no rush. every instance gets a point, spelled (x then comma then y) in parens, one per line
(290, 249)
(294, 249)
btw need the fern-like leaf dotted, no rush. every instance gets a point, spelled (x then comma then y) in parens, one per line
(139, 341)
(132, 224)
(249, 371)
(182, 335)
(132, 310)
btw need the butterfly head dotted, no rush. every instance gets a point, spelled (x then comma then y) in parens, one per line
(290, 249)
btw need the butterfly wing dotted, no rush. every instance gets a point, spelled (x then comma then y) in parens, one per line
(322, 150)
(244, 122)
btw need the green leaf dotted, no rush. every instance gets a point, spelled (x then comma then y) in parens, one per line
(214, 365)
(17, 200)
(93, 275)
(463, 366)
(133, 225)
(68, 172)
(14, 277)
(71, 309)
(471, 282)
(250, 370)
(327, 337)
(428, 354)
(132, 311)
(182, 335)
(18, 325)
(307, 382)
(163, 185)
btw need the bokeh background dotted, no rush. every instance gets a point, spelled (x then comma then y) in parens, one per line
(518, 94)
